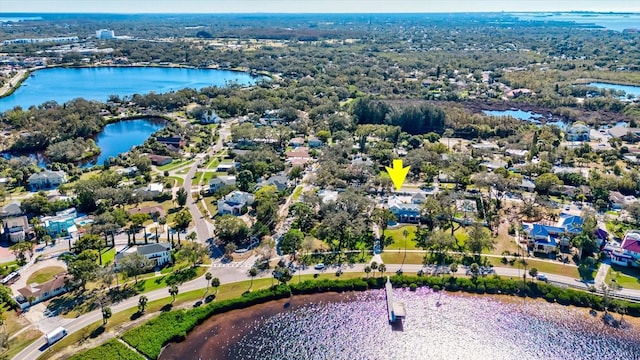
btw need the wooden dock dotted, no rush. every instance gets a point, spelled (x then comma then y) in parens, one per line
(395, 309)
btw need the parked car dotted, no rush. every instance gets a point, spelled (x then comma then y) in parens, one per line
(319, 266)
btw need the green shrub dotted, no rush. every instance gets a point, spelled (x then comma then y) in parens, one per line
(413, 286)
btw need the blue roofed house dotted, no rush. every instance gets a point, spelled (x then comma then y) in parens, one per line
(547, 238)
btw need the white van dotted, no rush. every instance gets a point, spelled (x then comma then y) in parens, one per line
(55, 335)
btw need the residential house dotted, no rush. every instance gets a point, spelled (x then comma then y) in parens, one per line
(158, 253)
(578, 131)
(62, 224)
(10, 210)
(159, 160)
(327, 196)
(527, 185)
(176, 141)
(484, 147)
(220, 182)
(150, 191)
(300, 156)
(624, 132)
(633, 159)
(493, 165)
(404, 208)
(210, 117)
(280, 181)
(296, 142)
(618, 201)
(42, 292)
(315, 143)
(517, 154)
(226, 167)
(628, 254)
(128, 171)
(234, 202)
(17, 229)
(47, 179)
(153, 211)
(547, 238)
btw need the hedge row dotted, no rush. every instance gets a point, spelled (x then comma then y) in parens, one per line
(173, 326)
(112, 349)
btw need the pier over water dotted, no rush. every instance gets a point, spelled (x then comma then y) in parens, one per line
(395, 309)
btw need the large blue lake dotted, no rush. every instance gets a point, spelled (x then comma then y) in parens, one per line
(64, 84)
(617, 22)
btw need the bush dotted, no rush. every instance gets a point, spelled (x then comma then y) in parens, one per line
(413, 286)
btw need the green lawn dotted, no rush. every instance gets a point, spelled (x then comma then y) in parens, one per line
(179, 180)
(108, 255)
(627, 278)
(43, 275)
(395, 257)
(213, 163)
(175, 164)
(398, 237)
(542, 266)
(297, 192)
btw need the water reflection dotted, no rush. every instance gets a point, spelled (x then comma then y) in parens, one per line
(438, 326)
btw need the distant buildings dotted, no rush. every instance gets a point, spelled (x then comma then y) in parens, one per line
(58, 40)
(104, 34)
(578, 131)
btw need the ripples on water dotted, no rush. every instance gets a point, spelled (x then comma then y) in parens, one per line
(438, 326)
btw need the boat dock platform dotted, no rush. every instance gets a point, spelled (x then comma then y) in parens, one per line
(395, 309)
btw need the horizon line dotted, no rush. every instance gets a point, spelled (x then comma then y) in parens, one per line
(320, 13)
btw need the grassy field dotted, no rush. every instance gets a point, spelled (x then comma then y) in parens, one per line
(20, 342)
(627, 278)
(542, 266)
(175, 165)
(108, 255)
(297, 192)
(177, 181)
(43, 275)
(398, 238)
(395, 257)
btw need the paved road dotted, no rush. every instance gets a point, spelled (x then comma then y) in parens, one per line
(234, 272)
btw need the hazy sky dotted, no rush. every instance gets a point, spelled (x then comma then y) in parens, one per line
(313, 6)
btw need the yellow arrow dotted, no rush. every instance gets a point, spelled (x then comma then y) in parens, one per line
(398, 173)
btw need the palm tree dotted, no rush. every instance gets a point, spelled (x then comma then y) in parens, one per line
(106, 314)
(208, 277)
(374, 267)
(142, 303)
(382, 269)
(173, 291)
(252, 272)
(215, 282)
(367, 270)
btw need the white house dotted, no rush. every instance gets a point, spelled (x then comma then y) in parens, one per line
(42, 292)
(578, 131)
(221, 181)
(226, 167)
(159, 253)
(281, 182)
(234, 202)
(405, 208)
(628, 254)
(47, 179)
(210, 117)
